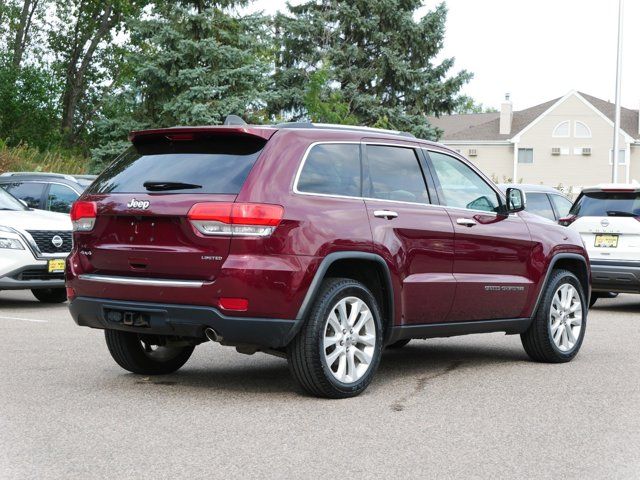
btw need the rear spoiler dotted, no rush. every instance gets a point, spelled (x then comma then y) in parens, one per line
(193, 133)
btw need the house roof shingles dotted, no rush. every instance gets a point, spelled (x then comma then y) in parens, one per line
(486, 126)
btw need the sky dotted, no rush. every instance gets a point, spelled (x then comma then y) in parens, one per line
(537, 50)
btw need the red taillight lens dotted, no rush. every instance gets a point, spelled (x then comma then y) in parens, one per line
(256, 214)
(83, 216)
(248, 219)
(71, 293)
(566, 221)
(237, 304)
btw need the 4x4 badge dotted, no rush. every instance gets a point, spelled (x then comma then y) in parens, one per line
(141, 204)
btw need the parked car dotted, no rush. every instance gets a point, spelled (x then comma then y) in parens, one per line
(321, 244)
(547, 202)
(33, 248)
(607, 216)
(55, 192)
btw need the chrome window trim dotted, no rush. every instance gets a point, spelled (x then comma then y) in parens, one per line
(413, 145)
(332, 195)
(149, 282)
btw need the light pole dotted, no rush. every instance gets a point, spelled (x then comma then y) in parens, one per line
(616, 123)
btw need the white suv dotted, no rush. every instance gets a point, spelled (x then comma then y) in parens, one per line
(33, 247)
(608, 218)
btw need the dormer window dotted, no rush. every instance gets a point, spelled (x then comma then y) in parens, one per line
(582, 130)
(562, 130)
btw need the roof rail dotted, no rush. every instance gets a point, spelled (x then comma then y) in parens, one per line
(40, 174)
(333, 126)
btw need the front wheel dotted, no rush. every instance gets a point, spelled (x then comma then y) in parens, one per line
(146, 355)
(338, 349)
(50, 295)
(558, 328)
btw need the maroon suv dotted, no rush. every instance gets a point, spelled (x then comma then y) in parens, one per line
(323, 244)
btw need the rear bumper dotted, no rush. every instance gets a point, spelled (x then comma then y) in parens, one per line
(184, 321)
(31, 277)
(621, 277)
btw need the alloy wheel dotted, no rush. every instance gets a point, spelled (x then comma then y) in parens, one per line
(565, 319)
(349, 339)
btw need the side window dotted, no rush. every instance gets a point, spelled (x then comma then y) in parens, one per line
(60, 198)
(539, 204)
(332, 169)
(562, 205)
(461, 187)
(395, 174)
(30, 192)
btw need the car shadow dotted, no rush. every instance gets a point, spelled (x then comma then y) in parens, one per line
(419, 360)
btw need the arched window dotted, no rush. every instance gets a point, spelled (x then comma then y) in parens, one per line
(582, 130)
(563, 129)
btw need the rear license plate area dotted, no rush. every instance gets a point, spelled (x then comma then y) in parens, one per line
(128, 318)
(606, 241)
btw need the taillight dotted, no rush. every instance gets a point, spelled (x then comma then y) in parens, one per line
(83, 216)
(566, 221)
(236, 219)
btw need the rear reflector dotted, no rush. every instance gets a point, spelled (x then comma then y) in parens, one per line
(237, 219)
(71, 293)
(83, 216)
(237, 304)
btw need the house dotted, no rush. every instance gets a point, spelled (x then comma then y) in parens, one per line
(566, 142)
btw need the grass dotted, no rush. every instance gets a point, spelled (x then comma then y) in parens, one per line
(23, 158)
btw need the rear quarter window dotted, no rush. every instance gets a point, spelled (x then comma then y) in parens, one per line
(332, 169)
(218, 165)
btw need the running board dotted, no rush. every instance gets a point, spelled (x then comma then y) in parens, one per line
(510, 326)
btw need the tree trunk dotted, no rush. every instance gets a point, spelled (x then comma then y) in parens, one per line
(22, 32)
(74, 84)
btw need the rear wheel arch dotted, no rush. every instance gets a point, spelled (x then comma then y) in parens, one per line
(368, 268)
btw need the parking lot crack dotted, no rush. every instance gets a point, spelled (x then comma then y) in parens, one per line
(421, 383)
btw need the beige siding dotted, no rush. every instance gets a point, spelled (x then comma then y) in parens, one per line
(495, 161)
(571, 168)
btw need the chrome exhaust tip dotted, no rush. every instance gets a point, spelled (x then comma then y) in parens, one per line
(212, 335)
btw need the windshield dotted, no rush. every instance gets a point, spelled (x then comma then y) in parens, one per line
(607, 204)
(9, 202)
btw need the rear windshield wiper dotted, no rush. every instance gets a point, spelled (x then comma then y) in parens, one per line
(619, 213)
(160, 186)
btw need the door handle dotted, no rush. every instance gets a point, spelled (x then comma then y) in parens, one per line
(388, 214)
(467, 222)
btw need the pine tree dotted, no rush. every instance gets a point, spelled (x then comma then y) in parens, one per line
(200, 62)
(192, 62)
(379, 59)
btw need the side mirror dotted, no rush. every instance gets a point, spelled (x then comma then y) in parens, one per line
(516, 200)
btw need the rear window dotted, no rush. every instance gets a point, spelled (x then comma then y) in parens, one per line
(607, 204)
(218, 165)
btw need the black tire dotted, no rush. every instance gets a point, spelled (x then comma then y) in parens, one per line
(594, 298)
(537, 340)
(50, 295)
(399, 344)
(306, 353)
(128, 351)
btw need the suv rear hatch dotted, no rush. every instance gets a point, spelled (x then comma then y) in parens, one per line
(609, 222)
(143, 199)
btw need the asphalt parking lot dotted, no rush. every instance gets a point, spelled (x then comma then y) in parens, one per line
(466, 407)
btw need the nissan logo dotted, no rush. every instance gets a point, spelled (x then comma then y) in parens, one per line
(604, 222)
(57, 241)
